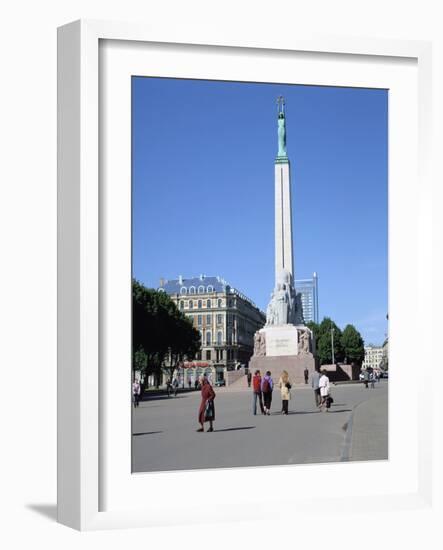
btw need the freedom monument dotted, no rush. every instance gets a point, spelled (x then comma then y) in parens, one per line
(284, 343)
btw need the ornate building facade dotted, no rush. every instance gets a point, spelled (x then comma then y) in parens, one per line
(373, 357)
(226, 319)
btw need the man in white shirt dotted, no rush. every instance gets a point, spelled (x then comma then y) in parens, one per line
(323, 384)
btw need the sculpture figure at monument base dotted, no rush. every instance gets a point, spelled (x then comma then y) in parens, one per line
(284, 347)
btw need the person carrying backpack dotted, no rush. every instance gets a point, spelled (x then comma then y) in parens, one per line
(267, 385)
(256, 393)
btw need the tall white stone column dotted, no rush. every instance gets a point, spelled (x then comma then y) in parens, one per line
(283, 218)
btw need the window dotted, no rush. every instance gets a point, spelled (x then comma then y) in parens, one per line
(208, 338)
(208, 355)
(219, 319)
(199, 319)
(182, 304)
(208, 303)
(219, 303)
(219, 337)
(210, 288)
(209, 319)
(183, 290)
(192, 290)
(201, 289)
(191, 304)
(199, 304)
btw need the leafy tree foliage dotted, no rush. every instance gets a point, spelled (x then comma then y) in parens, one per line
(162, 336)
(353, 345)
(323, 339)
(348, 344)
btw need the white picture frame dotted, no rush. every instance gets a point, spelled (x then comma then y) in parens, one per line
(83, 393)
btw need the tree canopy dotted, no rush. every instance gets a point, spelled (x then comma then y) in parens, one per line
(348, 345)
(353, 345)
(162, 336)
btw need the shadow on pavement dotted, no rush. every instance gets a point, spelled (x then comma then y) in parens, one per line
(161, 396)
(235, 429)
(148, 433)
(293, 412)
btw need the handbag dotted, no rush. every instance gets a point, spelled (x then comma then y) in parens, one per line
(209, 410)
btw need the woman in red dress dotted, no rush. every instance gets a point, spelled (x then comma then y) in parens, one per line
(206, 412)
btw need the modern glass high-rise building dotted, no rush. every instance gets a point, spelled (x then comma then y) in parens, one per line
(307, 291)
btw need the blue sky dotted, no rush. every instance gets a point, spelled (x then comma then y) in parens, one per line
(203, 189)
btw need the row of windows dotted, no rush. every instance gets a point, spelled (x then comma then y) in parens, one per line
(218, 355)
(199, 304)
(219, 319)
(208, 339)
(200, 290)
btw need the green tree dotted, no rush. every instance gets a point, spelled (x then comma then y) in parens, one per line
(324, 340)
(162, 336)
(353, 345)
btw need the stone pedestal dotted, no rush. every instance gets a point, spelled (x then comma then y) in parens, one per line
(281, 350)
(293, 364)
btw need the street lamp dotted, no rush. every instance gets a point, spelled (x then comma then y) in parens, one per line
(332, 345)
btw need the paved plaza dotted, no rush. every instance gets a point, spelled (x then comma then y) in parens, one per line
(355, 428)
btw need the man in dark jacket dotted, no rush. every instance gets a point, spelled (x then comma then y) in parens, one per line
(315, 378)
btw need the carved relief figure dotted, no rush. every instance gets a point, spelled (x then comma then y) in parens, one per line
(304, 341)
(270, 314)
(262, 344)
(257, 344)
(281, 306)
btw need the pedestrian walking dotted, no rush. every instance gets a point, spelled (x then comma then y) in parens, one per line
(306, 374)
(373, 377)
(324, 390)
(136, 390)
(196, 383)
(315, 379)
(285, 391)
(256, 393)
(249, 377)
(267, 385)
(168, 386)
(175, 386)
(206, 412)
(189, 383)
(366, 378)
